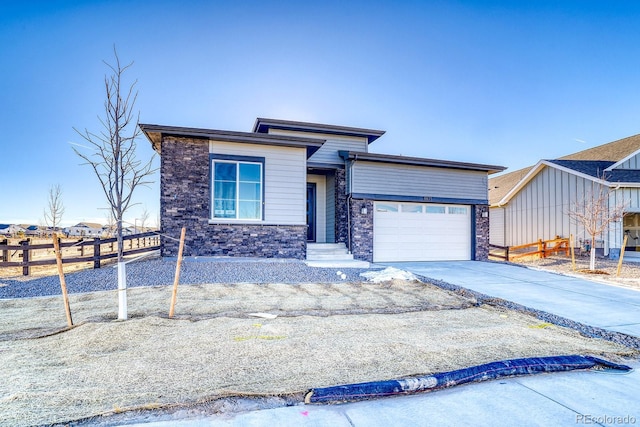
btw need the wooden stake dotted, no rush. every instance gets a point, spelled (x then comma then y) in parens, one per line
(63, 282)
(573, 252)
(176, 279)
(624, 244)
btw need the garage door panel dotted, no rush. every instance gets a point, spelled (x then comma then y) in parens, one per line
(425, 232)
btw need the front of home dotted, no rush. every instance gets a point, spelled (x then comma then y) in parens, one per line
(534, 203)
(272, 191)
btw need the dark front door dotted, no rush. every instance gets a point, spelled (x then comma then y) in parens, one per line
(311, 212)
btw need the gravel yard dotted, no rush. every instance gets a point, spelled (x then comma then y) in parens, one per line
(159, 271)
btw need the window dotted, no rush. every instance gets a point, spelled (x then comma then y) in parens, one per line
(383, 207)
(457, 210)
(435, 209)
(411, 208)
(237, 189)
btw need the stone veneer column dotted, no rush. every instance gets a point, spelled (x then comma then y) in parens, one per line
(184, 191)
(341, 218)
(482, 233)
(362, 229)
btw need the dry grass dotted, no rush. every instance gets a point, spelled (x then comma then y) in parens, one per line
(324, 335)
(606, 269)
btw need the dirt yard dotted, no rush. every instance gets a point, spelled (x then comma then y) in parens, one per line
(606, 269)
(323, 335)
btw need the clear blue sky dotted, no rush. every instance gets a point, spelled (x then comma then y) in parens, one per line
(498, 82)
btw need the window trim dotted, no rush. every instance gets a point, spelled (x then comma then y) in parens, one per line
(226, 158)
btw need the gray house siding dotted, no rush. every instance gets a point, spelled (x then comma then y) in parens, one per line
(285, 178)
(416, 181)
(328, 153)
(496, 232)
(631, 163)
(540, 209)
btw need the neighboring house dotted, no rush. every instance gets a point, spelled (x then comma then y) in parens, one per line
(85, 229)
(269, 192)
(10, 229)
(533, 203)
(32, 230)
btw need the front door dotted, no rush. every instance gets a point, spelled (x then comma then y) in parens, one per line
(311, 212)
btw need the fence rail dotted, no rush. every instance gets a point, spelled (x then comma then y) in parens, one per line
(90, 250)
(541, 249)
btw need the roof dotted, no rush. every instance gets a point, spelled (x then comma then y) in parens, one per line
(596, 162)
(418, 161)
(612, 151)
(500, 185)
(88, 224)
(594, 168)
(155, 132)
(263, 125)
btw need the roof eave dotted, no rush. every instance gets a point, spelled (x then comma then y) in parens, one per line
(155, 133)
(262, 125)
(418, 161)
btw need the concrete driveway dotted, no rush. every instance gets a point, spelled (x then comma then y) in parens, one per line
(605, 306)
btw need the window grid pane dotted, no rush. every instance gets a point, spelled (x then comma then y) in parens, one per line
(237, 190)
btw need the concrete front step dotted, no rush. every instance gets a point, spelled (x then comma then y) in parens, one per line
(328, 252)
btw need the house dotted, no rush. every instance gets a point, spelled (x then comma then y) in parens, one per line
(533, 203)
(10, 230)
(288, 186)
(85, 229)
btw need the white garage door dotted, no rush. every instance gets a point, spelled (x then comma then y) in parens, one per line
(421, 232)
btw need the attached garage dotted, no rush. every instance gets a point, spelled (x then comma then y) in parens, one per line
(421, 232)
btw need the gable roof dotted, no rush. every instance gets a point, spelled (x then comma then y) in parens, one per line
(502, 184)
(263, 125)
(612, 151)
(593, 163)
(155, 133)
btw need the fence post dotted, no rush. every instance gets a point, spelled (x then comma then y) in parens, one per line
(96, 252)
(540, 249)
(5, 252)
(26, 269)
(81, 249)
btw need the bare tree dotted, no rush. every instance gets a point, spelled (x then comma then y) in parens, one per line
(144, 218)
(55, 208)
(114, 148)
(594, 213)
(114, 158)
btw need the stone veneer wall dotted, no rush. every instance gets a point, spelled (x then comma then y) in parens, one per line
(482, 233)
(362, 230)
(341, 218)
(184, 202)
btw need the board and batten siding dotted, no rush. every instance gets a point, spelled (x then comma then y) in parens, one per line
(631, 163)
(496, 226)
(416, 181)
(285, 178)
(540, 210)
(328, 153)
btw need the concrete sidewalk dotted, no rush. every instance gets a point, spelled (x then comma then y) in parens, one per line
(605, 306)
(559, 399)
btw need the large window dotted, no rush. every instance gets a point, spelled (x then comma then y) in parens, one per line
(237, 189)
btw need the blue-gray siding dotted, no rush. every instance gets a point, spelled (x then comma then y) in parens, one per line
(416, 181)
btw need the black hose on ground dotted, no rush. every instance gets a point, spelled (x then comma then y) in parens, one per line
(485, 372)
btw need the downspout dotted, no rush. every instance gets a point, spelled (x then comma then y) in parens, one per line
(348, 167)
